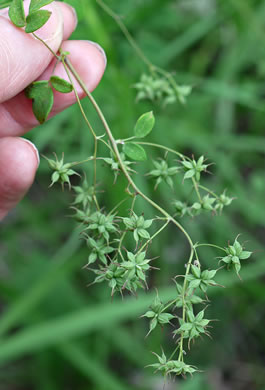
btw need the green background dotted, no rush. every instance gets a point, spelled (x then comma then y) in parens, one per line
(58, 334)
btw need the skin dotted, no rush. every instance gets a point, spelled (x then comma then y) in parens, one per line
(24, 59)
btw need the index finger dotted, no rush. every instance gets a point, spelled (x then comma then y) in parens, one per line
(18, 50)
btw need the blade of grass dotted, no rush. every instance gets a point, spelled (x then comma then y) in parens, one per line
(91, 368)
(188, 38)
(49, 277)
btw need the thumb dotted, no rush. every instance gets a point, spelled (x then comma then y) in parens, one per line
(22, 57)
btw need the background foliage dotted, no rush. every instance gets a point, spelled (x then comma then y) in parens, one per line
(58, 334)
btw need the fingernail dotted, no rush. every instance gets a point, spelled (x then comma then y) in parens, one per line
(102, 52)
(73, 10)
(34, 148)
(52, 31)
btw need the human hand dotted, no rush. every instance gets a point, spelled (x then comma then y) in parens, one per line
(23, 59)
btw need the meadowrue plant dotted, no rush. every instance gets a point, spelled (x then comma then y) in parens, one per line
(125, 267)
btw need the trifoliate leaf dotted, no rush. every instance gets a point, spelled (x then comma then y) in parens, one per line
(61, 85)
(37, 4)
(36, 20)
(134, 151)
(41, 94)
(144, 125)
(16, 13)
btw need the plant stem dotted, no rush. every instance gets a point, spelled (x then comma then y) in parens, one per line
(47, 46)
(117, 153)
(125, 232)
(86, 120)
(82, 162)
(212, 245)
(209, 191)
(126, 33)
(163, 147)
(153, 236)
(154, 70)
(195, 185)
(184, 291)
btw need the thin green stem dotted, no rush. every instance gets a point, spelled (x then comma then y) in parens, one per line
(96, 202)
(126, 33)
(152, 237)
(117, 153)
(125, 232)
(47, 46)
(170, 304)
(95, 162)
(117, 206)
(63, 59)
(195, 185)
(164, 148)
(175, 350)
(196, 255)
(133, 204)
(169, 77)
(122, 141)
(211, 245)
(184, 292)
(153, 68)
(82, 162)
(86, 120)
(207, 190)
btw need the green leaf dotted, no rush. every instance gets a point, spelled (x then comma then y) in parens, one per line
(153, 324)
(92, 258)
(37, 4)
(147, 223)
(196, 271)
(41, 94)
(149, 314)
(141, 275)
(17, 14)
(164, 318)
(195, 299)
(134, 151)
(144, 125)
(245, 255)
(135, 235)
(144, 233)
(200, 316)
(237, 267)
(61, 85)
(185, 327)
(189, 174)
(187, 164)
(212, 273)
(194, 283)
(55, 177)
(36, 20)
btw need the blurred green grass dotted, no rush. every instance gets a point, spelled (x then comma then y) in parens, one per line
(56, 333)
